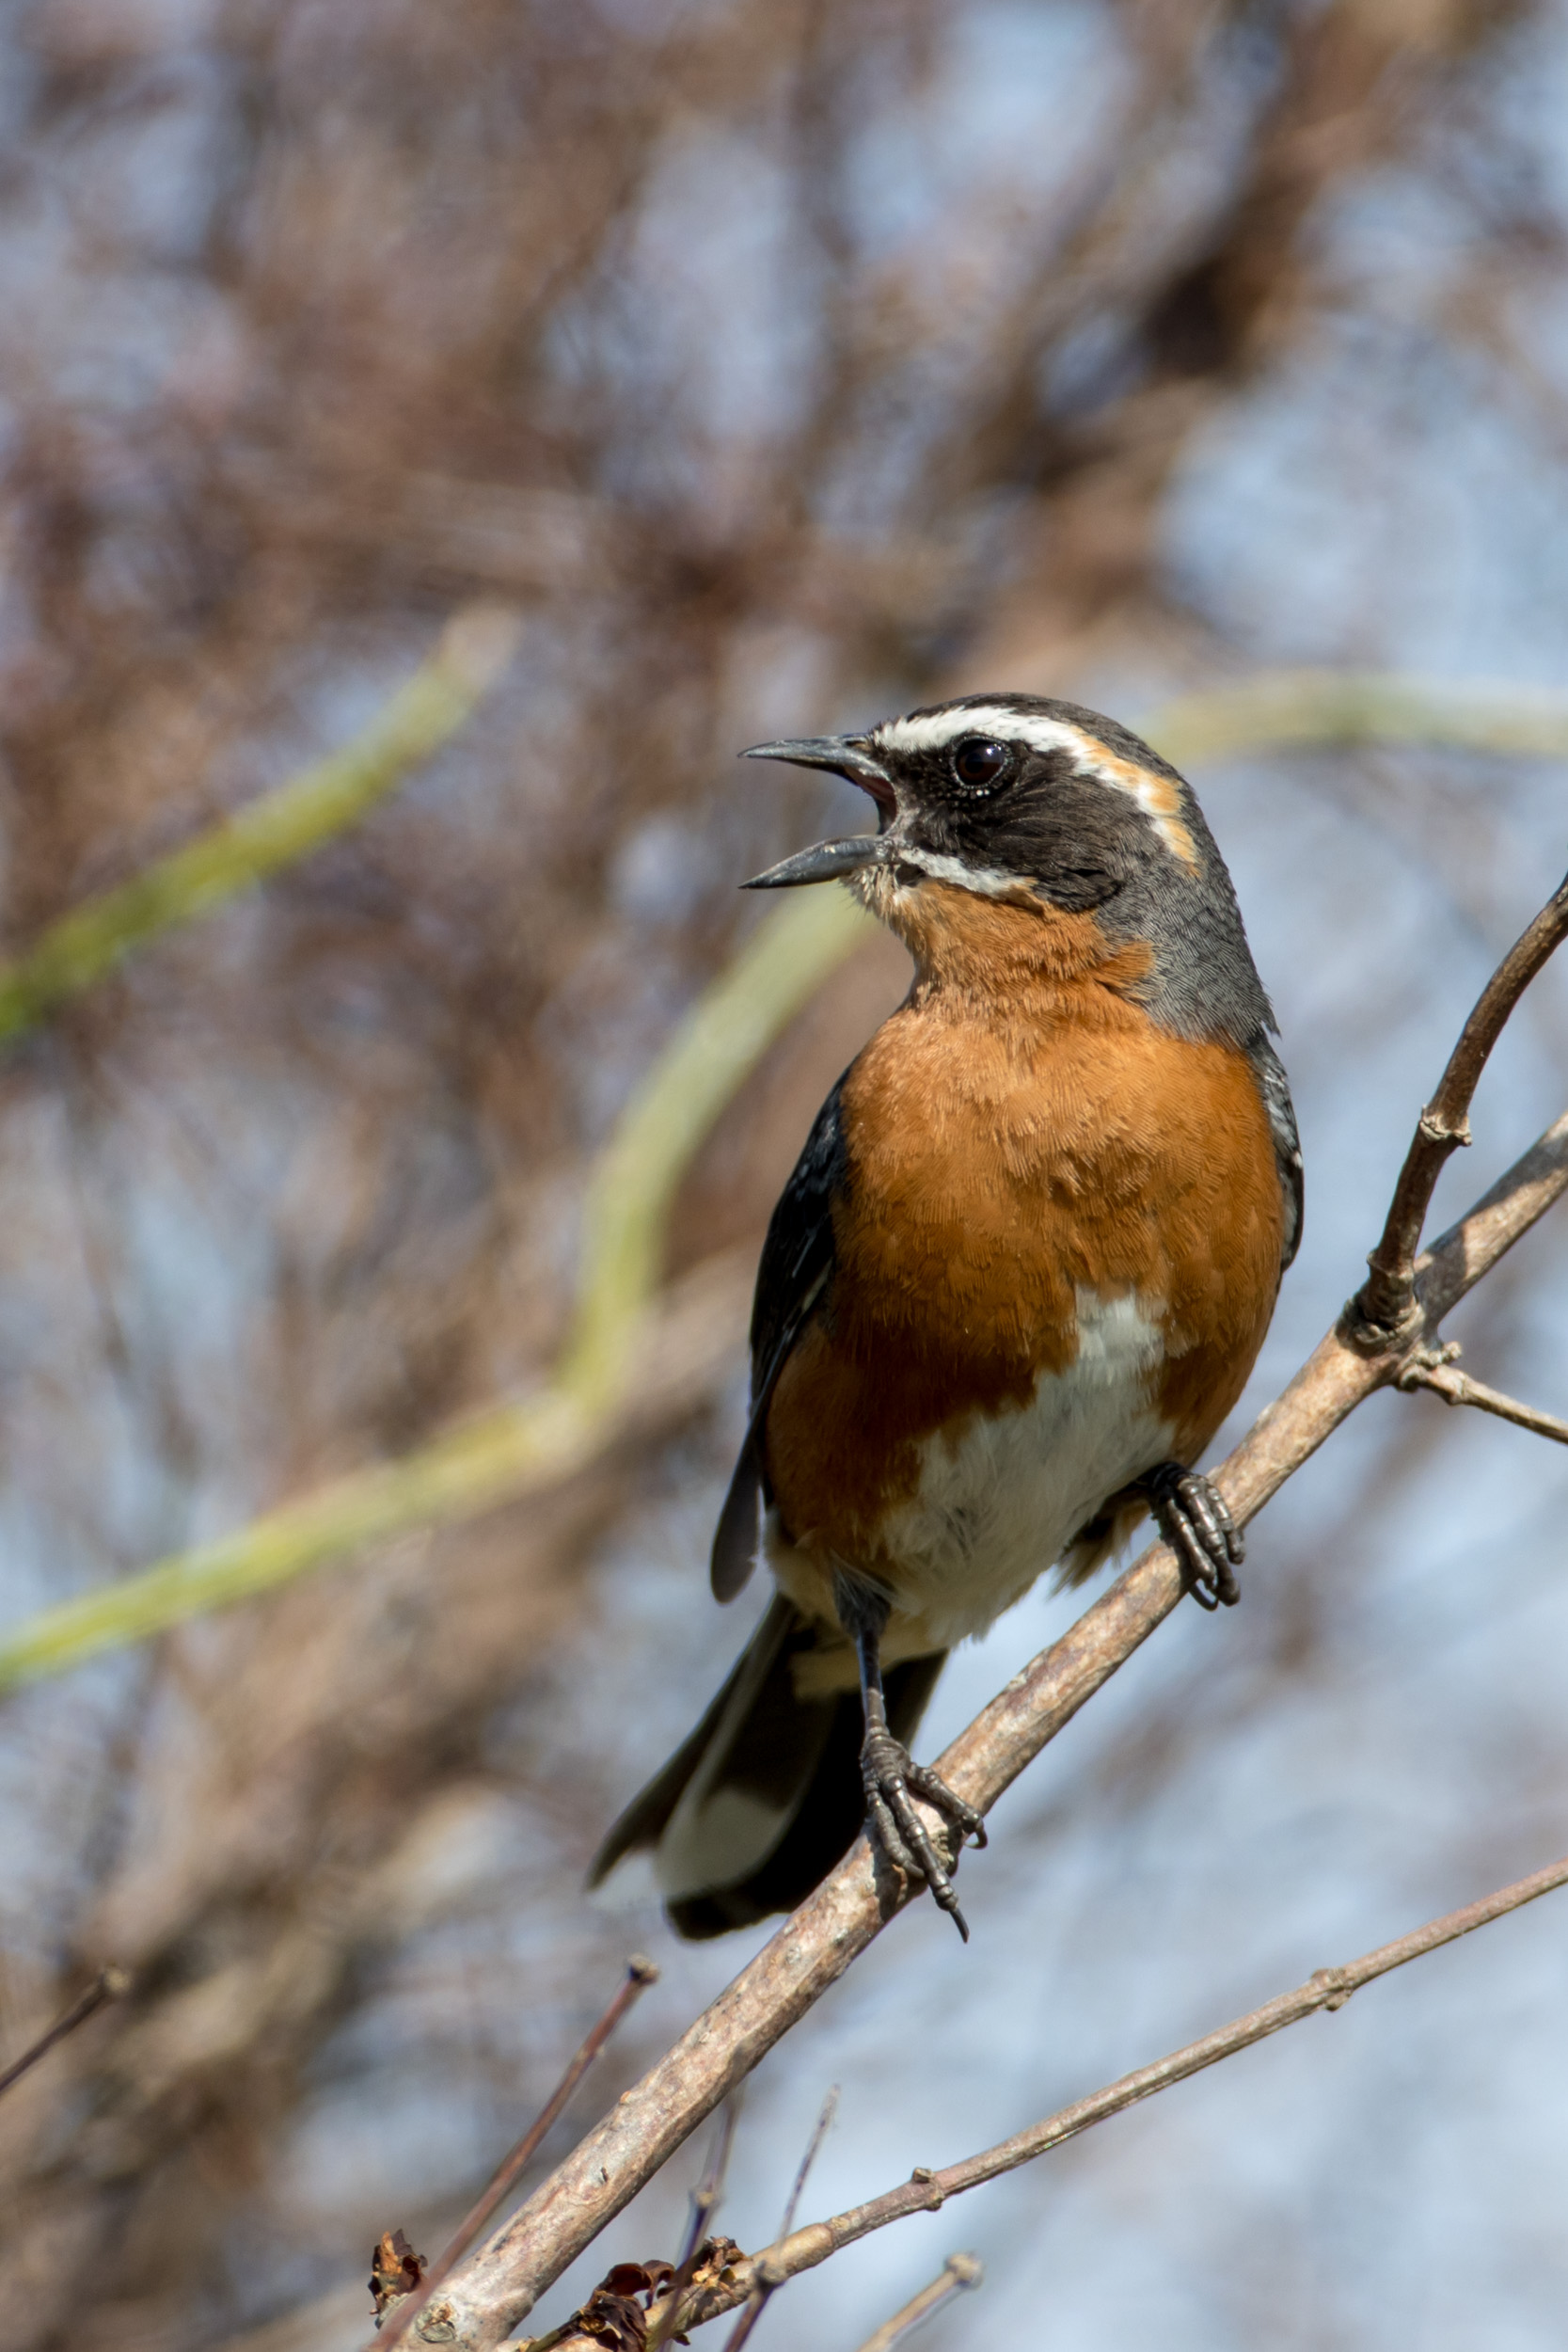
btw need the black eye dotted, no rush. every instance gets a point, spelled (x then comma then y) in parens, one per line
(978, 764)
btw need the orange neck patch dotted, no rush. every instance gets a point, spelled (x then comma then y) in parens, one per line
(988, 952)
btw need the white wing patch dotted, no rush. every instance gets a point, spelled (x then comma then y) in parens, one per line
(1156, 795)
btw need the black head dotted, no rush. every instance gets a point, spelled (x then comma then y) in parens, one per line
(1043, 804)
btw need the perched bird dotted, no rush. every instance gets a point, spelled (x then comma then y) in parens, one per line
(1017, 1280)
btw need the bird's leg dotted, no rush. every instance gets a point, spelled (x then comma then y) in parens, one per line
(890, 1776)
(1192, 1517)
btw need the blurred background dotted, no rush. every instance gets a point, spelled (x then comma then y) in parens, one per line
(781, 363)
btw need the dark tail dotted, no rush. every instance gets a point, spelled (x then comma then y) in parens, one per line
(757, 1805)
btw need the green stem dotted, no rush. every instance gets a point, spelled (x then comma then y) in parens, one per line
(721, 1040)
(488, 1461)
(272, 832)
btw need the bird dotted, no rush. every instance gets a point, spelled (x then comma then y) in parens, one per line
(1016, 1282)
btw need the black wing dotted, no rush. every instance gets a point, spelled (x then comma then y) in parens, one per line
(797, 1265)
(1276, 1089)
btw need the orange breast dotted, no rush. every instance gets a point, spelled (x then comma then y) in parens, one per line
(1020, 1130)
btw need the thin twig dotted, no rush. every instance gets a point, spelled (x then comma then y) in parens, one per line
(960, 2272)
(639, 1973)
(925, 2190)
(111, 1984)
(1434, 1368)
(709, 2189)
(1387, 1301)
(704, 2203)
(813, 2147)
(812, 1949)
(757, 2301)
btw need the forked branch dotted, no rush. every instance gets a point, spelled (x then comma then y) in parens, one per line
(1434, 1368)
(1387, 1301)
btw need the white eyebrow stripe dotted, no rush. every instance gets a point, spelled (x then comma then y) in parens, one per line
(1158, 796)
(939, 727)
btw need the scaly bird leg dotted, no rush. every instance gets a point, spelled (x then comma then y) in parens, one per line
(890, 1776)
(1192, 1517)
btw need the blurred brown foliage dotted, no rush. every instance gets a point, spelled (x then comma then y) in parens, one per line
(323, 317)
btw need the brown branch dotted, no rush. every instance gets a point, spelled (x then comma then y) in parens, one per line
(814, 1947)
(1434, 1368)
(639, 1973)
(925, 2190)
(1386, 1302)
(958, 2273)
(111, 1985)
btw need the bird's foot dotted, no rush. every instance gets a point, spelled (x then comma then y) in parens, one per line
(892, 1779)
(1193, 1519)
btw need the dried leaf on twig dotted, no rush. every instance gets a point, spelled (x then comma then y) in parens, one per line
(711, 2271)
(395, 2271)
(611, 2318)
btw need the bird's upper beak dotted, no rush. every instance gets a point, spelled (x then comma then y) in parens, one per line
(847, 756)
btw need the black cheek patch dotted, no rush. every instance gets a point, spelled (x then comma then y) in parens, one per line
(1075, 840)
(1076, 890)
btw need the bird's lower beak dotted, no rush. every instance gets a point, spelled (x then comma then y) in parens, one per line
(846, 755)
(826, 862)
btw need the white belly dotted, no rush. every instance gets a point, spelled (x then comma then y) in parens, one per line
(1000, 1506)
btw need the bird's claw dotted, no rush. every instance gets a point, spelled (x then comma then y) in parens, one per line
(1192, 1517)
(892, 1779)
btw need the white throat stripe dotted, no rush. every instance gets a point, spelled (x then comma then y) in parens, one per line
(991, 882)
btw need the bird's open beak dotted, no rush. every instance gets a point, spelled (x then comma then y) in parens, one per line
(847, 756)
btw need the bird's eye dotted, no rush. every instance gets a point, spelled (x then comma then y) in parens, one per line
(978, 764)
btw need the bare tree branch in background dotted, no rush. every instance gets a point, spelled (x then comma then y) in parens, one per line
(110, 1984)
(743, 358)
